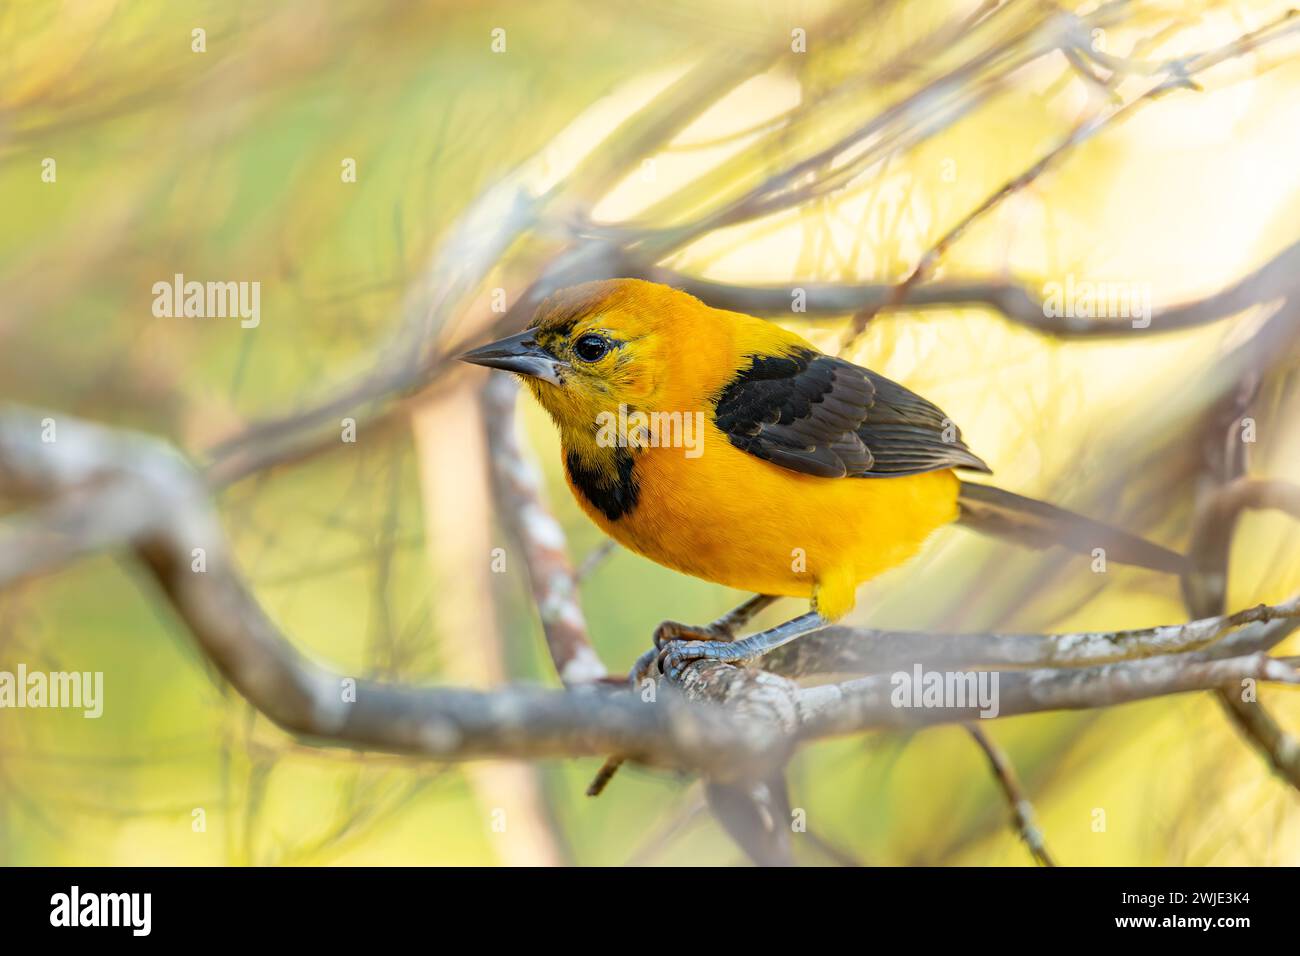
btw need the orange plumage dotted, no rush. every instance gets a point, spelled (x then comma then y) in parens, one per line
(715, 509)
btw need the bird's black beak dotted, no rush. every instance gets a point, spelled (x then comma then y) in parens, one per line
(519, 353)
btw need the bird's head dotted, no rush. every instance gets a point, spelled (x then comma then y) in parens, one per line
(622, 342)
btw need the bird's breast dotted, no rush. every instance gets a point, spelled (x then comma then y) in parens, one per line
(716, 512)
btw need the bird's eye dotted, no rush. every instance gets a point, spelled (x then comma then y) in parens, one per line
(591, 348)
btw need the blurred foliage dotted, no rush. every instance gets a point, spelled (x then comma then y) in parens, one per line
(226, 165)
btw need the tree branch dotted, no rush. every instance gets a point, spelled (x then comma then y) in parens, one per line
(168, 516)
(730, 724)
(841, 650)
(867, 703)
(1269, 284)
(518, 492)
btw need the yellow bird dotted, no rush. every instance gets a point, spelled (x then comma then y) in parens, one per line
(726, 447)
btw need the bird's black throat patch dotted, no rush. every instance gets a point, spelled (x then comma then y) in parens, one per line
(613, 497)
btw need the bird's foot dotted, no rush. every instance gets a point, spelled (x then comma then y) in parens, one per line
(674, 656)
(675, 632)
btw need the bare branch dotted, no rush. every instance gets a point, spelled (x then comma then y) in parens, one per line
(866, 703)
(518, 491)
(595, 558)
(308, 700)
(865, 650)
(1268, 285)
(1022, 811)
(747, 731)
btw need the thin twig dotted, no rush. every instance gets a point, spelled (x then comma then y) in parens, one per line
(1176, 74)
(595, 558)
(1022, 811)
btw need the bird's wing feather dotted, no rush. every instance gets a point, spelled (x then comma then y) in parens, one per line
(823, 416)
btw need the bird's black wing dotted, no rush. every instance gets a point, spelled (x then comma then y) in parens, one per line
(823, 416)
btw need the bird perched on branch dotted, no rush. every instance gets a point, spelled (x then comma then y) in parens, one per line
(727, 447)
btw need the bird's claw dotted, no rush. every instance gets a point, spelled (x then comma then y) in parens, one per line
(674, 656)
(676, 631)
(670, 641)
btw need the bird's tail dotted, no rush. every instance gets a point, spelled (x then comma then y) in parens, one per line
(1036, 524)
